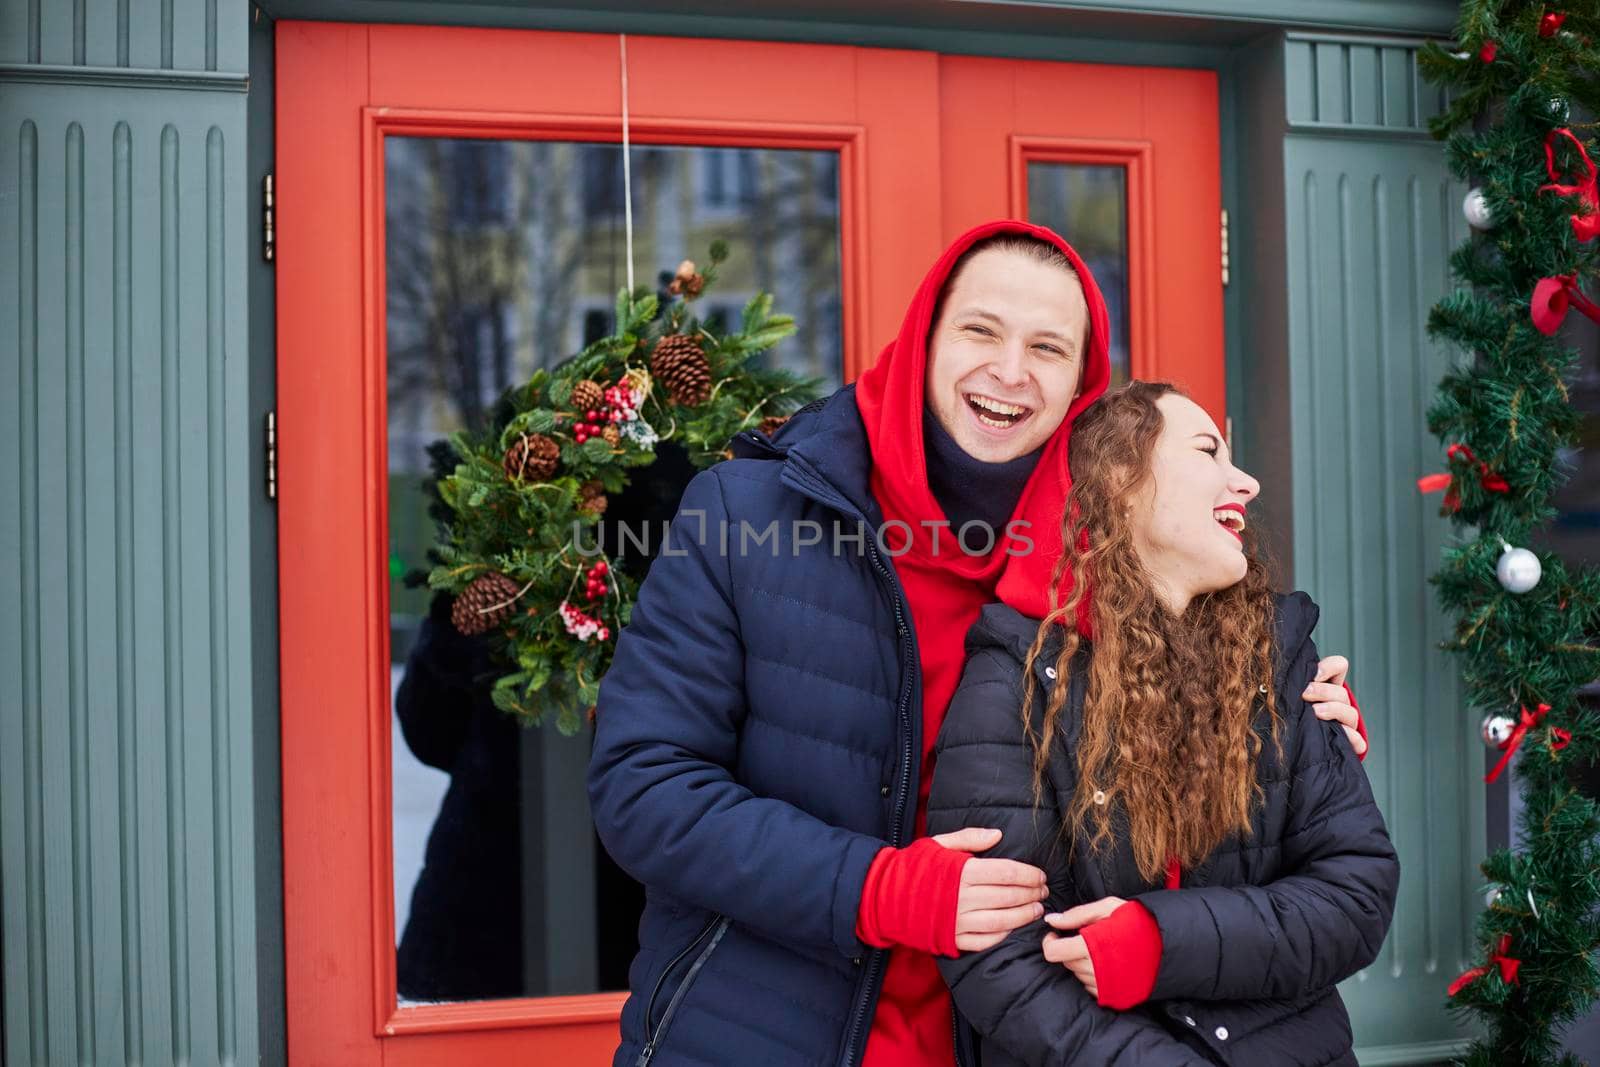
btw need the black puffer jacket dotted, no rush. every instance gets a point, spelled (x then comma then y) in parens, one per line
(1253, 943)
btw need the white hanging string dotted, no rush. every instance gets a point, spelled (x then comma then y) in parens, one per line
(627, 164)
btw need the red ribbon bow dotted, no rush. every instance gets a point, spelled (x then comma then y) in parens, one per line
(1508, 967)
(1432, 483)
(1526, 721)
(1551, 298)
(1586, 220)
(1559, 738)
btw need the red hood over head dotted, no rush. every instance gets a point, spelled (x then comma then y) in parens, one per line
(890, 395)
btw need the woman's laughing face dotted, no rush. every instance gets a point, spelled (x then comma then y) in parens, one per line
(1189, 516)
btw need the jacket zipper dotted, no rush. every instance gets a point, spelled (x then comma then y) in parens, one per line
(955, 1033)
(653, 1040)
(908, 673)
(896, 827)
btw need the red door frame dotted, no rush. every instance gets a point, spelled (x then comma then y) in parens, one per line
(341, 89)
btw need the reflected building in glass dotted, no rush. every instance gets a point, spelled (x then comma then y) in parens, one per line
(502, 257)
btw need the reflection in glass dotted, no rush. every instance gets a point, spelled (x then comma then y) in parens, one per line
(500, 258)
(1088, 205)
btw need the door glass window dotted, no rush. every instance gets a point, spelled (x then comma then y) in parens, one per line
(1088, 205)
(502, 257)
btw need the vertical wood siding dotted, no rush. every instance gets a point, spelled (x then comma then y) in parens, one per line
(1371, 215)
(126, 812)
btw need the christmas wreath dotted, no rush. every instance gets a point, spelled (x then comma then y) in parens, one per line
(514, 546)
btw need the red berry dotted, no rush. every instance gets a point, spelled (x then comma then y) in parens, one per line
(616, 416)
(592, 415)
(601, 568)
(605, 633)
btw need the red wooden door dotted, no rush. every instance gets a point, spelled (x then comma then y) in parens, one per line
(1144, 139)
(921, 146)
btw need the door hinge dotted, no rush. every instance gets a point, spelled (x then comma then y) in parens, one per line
(272, 455)
(268, 221)
(1226, 265)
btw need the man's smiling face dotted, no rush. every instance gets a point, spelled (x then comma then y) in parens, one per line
(1006, 354)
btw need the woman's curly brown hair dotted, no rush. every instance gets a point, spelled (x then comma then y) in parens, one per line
(1169, 734)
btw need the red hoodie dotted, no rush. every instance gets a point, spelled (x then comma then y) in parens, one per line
(909, 900)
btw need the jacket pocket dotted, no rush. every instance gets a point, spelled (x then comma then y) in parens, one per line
(697, 952)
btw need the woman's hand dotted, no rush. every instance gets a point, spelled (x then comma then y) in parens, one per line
(997, 895)
(1332, 701)
(1071, 951)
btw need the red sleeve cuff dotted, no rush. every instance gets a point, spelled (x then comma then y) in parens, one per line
(910, 896)
(1125, 948)
(1361, 724)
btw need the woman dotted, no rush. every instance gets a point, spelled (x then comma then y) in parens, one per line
(1217, 845)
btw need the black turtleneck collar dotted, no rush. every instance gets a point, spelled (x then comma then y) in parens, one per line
(969, 489)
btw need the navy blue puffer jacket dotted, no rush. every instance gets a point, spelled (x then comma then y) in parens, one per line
(1253, 943)
(753, 753)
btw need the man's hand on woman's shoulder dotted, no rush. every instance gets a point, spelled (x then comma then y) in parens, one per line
(1334, 702)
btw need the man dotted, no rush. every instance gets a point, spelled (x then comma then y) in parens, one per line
(764, 736)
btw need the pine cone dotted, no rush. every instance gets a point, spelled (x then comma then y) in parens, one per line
(679, 363)
(770, 424)
(687, 282)
(592, 500)
(484, 604)
(587, 396)
(612, 435)
(533, 458)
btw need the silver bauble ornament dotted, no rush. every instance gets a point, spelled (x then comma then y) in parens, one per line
(1497, 730)
(1476, 208)
(1518, 570)
(1558, 109)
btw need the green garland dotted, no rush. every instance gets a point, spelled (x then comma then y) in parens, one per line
(1526, 645)
(519, 499)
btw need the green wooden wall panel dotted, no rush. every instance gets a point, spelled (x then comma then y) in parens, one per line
(192, 35)
(1369, 226)
(1344, 218)
(1352, 84)
(127, 820)
(173, 35)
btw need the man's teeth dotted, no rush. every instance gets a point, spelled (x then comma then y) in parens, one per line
(994, 413)
(995, 406)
